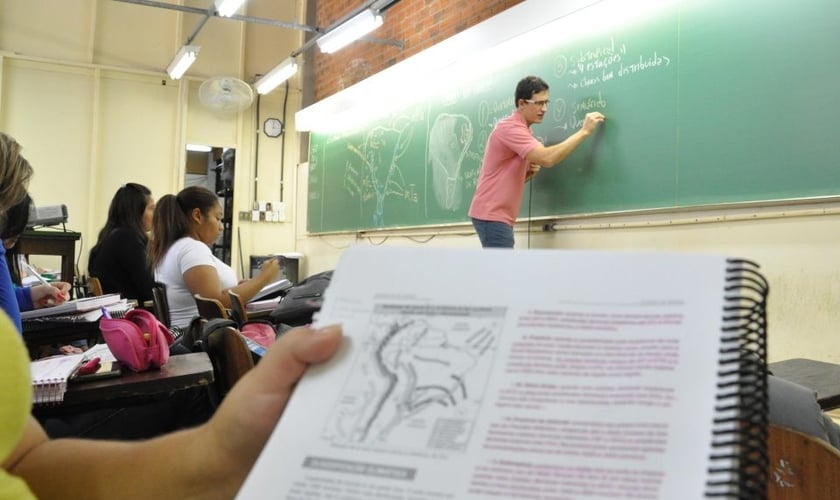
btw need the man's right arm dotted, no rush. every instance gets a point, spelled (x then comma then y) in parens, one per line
(548, 156)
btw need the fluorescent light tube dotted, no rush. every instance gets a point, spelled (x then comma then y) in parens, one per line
(199, 148)
(276, 76)
(356, 27)
(183, 59)
(227, 8)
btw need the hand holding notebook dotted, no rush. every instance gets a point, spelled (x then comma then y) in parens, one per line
(591, 374)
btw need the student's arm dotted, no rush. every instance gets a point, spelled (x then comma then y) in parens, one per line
(24, 299)
(548, 156)
(210, 461)
(269, 272)
(204, 280)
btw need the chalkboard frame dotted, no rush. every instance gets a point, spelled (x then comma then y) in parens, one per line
(606, 175)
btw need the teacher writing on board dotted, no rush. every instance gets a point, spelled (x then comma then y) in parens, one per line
(512, 157)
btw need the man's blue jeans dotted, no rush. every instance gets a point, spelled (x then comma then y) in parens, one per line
(493, 234)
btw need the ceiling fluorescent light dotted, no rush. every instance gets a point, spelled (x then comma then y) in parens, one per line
(183, 59)
(276, 76)
(226, 8)
(342, 35)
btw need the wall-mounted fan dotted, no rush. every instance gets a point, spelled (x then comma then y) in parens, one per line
(225, 94)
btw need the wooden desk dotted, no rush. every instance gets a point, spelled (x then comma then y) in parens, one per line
(61, 243)
(822, 377)
(180, 372)
(39, 333)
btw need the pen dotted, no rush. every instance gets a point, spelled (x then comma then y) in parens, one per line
(35, 273)
(41, 279)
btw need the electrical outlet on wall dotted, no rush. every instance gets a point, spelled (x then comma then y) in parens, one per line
(265, 211)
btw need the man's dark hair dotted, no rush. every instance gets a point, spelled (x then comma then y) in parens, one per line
(527, 87)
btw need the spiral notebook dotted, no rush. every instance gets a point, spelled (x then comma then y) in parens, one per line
(50, 377)
(479, 374)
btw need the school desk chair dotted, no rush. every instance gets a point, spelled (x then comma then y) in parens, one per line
(210, 308)
(801, 467)
(94, 287)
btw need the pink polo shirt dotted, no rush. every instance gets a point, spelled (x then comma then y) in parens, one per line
(501, 182)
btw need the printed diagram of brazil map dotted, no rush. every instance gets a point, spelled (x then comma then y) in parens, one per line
(419, 379)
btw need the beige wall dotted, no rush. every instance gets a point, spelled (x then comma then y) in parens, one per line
(81, 87)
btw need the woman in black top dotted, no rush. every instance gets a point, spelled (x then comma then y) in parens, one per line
(119, 257)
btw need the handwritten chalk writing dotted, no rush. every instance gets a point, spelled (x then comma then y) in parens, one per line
(351, 186)
(490, 112)
(595, 53)
(644, 63)
(591, 103)
(605, 63)
(602, 63)
(558, 109)
(482, 140)
(561, 64)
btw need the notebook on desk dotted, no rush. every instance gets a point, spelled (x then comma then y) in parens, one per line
(272, 290)
(50, 376)
(71, 307)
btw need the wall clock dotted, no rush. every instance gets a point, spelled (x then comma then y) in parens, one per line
(273, 127)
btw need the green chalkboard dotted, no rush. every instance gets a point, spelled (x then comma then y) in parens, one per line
(707, 102)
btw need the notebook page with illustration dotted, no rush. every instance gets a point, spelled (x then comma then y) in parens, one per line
(480, 374)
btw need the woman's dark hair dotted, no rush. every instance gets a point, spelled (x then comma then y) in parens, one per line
(126, 211)
(527, 87)
(171, 221)
(16, 218)
(14, 224)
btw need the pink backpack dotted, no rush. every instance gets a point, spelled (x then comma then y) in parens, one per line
(262, 333)
(139, 341)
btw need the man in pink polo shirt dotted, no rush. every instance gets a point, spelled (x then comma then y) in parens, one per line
(512, 157)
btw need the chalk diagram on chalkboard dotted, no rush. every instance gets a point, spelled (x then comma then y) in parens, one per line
(449, 140)
(419, 380)
(378, 175)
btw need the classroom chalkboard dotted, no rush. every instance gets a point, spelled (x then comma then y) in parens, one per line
(708, 102)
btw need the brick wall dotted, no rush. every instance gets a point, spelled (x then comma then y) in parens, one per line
(418, 24)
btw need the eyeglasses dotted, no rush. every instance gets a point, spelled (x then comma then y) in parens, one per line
(538, 103)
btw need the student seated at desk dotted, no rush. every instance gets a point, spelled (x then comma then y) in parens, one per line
(119, 257)
(183, 228)
(13, 222)
(794, 406)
